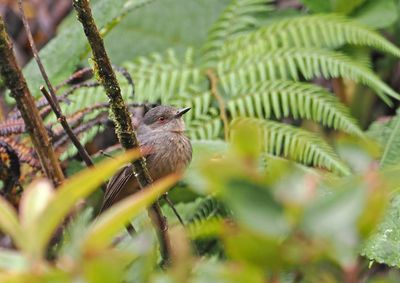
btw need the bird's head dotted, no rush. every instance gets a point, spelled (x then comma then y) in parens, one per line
(165, 118)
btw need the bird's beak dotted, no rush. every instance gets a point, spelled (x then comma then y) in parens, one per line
(182, 111)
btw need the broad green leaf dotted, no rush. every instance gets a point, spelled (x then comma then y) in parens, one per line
(387, 134)
(336, 6)
(345, 6)
(62, 55)
(209, 270)
(377, 14)
(384, 245)
(317, 5)
(256, 208)
(9, 223)
(34, 200)
(334, 217)
(112, 221)
(373, 13)
(79, 186)
(165, 24)
(107, 266)
(391, 154)
(33, 276)
(12, 260)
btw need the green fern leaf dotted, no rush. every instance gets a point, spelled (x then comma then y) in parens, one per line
(289, 63)
(200, 102)
(325, 31)
(208, 208)
(297, 144)
(300, 100)
(160, 77)
(237, 17)
(205, 128)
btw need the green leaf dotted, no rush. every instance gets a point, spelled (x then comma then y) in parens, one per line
(297, 144)
(285, 63)
(112, 221)
(236, 18)
(254, 207)
(74, 189)
(12, 261)
(152, 29)
(334, 217)
(387, 134)
(345, 6)
(34, 200)
(62, 55)
(377, 14)
(9, 223)
(384, 245)
(280, 99)
(317, 5)
(391, 154)
(336, 6)
(324, 31)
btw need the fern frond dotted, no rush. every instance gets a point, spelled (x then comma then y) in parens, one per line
(160, 77)
(208, 208)
(207, 127)
(300, 100)
(297, 144)
(290, 63)
(325, 31)
(236, 18)
(200, 102)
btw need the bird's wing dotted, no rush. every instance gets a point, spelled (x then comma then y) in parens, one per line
(115, 186)
(118, 182)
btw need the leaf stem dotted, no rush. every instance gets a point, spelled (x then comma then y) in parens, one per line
(213, 79)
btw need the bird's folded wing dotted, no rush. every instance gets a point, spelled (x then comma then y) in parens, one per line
(115, 186)
(118, 182)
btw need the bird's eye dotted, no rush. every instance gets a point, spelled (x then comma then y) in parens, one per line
(161, 119)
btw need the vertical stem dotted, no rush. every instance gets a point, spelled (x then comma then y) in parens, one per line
(52, 97)
(213, 79)
(121, 116)
(15, 81)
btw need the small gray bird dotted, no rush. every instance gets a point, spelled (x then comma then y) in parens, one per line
(162, 131)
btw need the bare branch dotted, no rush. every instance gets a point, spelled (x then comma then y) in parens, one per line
(52, 98)
(15, 81)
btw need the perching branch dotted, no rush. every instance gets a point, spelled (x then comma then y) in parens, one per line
(15, 81)
(121, 116)
(52, 98)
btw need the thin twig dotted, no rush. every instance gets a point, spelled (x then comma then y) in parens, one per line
(15, 81)
(75, 76)
(172, 206)
(124, 72)
(52, 98)
(36, 54)
(63, 121)
(121, 117)
(213, 79)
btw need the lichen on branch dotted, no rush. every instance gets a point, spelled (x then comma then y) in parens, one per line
(120, 114)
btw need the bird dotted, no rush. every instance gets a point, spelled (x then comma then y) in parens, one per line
(162, 131)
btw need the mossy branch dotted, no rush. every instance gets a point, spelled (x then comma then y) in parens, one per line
(120, 115)
(15, 81)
